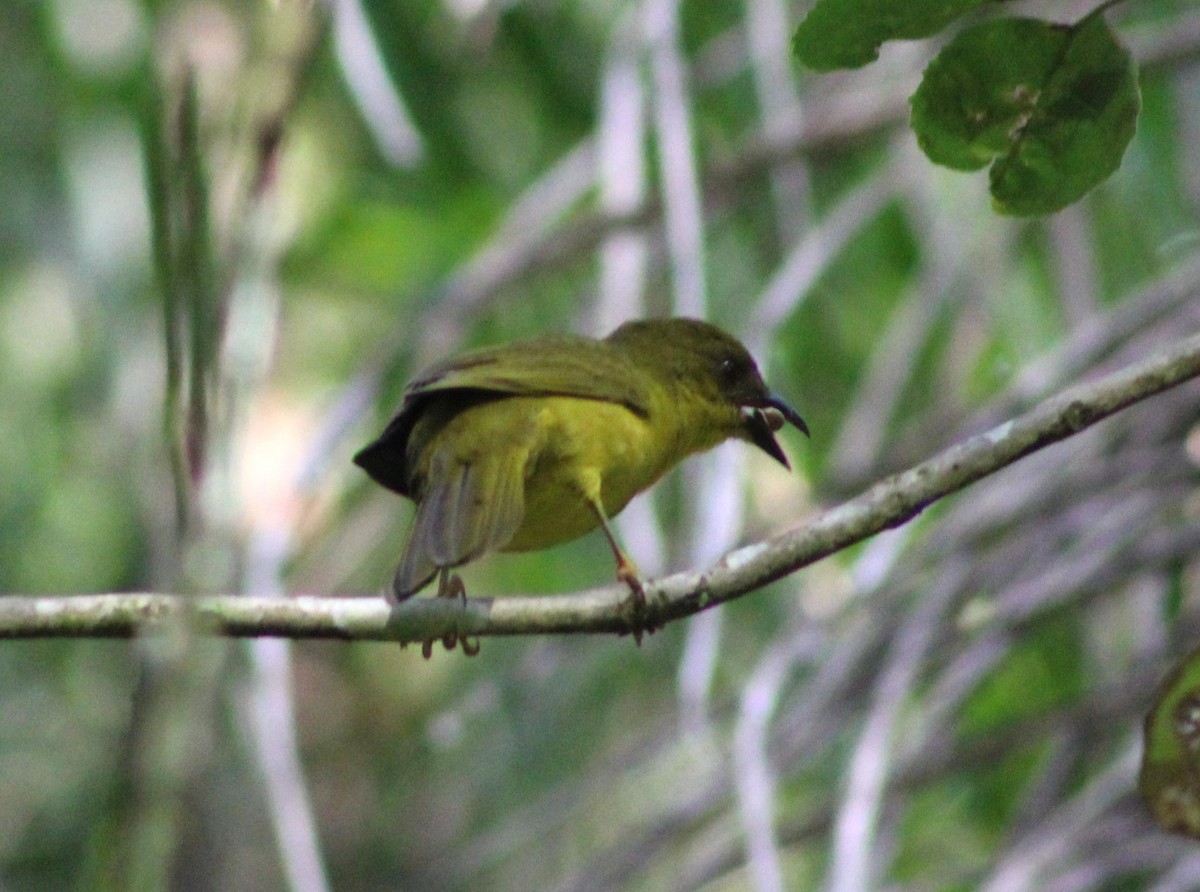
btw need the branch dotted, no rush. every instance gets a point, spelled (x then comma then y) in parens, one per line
(890, 503)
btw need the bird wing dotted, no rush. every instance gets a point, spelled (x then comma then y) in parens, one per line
(469, 506)
(552, 365)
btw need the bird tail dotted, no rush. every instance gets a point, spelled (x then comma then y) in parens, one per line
(414, 573)
(469, 507)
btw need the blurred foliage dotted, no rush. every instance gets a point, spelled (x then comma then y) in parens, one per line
(992, 660)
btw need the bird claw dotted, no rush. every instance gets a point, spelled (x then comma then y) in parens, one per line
(628, 574)
(450, 585)
(636, 607)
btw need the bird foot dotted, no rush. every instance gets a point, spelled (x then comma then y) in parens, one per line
(628, 574)
(635, 607)
(450, 585)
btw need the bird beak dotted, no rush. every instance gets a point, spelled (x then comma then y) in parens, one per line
(765, 418)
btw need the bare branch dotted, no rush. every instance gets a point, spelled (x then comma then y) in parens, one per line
(889, 503)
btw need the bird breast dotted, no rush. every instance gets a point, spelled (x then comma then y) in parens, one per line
(586, 451)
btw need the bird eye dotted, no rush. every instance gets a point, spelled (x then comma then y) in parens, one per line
(729, 370)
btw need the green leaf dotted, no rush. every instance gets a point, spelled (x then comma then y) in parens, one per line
(1053, 107)
(848, 33)
(1169, 780)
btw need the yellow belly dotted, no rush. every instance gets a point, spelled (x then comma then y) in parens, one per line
(586, 449)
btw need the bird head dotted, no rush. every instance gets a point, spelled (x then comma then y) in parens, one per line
(700, 358)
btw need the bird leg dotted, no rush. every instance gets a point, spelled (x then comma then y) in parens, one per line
(450, 585)
(627, 572)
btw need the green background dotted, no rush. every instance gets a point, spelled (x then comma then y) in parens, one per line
(953, 704)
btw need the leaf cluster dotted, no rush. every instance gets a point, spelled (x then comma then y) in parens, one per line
(1051, 107)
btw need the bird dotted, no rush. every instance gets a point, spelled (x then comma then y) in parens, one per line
(526, 445)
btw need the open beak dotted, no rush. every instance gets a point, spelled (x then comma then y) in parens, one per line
(765, 418)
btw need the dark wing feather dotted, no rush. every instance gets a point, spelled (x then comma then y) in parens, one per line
(554, 365)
